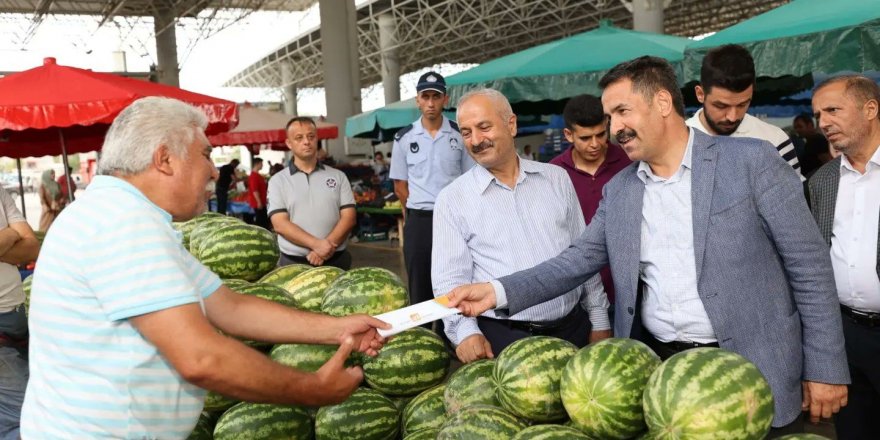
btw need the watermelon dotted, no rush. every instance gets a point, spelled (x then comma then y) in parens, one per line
(204, 429)
(235, 283)
(239, 251)
(218, 402)
(424, 411)
(307, 289)
(471, 384)
(408, 364)
(26, 287)
(400, 402)
(425, 434)
(303, 357)
(206, 227)
(603, 384)
(527, 375)
(551, 432)
(481, 422)
(268, 292)
(282, 275)
(366, 415)
(372, 291)
(708, 393)
(261, 421)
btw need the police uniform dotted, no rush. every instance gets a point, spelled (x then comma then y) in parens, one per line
(427, 165)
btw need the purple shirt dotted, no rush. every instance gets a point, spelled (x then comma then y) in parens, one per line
(589, 189)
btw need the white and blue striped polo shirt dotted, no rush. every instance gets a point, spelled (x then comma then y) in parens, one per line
(109, 256)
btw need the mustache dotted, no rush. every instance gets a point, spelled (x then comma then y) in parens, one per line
(479, 148)
(625, 134)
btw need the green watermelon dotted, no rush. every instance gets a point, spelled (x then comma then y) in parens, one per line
(469, 385)
(268, 292)
(260, 421)
(204, 429)
(218, 402)
(603, 384)
(307, 289)
(366, 415)
(401, 402)
(803, 436)
(708, 393)
(408, 364)
(235, 283)
(282, 275)
(424, 411)
(186, 228)
(425, 434)
(372, 291)
(305, 357)
(481, 422)
(551, 432)
(239, 251)
(206, 227)
(26, 287)
(527, 375)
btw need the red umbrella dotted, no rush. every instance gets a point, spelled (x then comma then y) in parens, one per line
(263, 127)
(55, 109)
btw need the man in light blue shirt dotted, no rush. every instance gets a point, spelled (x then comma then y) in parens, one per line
(502, 216)
(428, 155)
(124, 321)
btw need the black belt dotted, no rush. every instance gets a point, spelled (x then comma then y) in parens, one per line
(9, 341)
(419, 212)
(868, 319)
(539, 327)
(685, 345)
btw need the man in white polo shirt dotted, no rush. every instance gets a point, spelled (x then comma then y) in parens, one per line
(311, 205)
(727, 84)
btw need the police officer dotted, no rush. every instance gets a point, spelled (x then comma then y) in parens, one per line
(427, 155)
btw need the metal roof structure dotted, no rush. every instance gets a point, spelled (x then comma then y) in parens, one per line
(433, 32)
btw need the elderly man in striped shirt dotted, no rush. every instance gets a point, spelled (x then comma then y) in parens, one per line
(505, 215)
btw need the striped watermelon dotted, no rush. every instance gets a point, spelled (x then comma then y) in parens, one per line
(235, 283)
(186, 228)
(260, 421)
(469, 385)
(207, 227)
(366, 415)
(603, 384)
(26, 287)
(204, 429)
(239, 251)
(268, 292)
(527, 375)
(307, 289)
(481, 422)
(408, 364)
(426, 411)
(708, 393)
(425, 434)
(218, 402)
(366, 290)
(282, 275)
(551, 432)
(303, 357)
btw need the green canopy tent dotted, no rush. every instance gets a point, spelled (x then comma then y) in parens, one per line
(381, 124)
(799, 39)
(556, 71)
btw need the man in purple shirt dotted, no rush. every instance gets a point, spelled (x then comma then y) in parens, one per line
(591, 161)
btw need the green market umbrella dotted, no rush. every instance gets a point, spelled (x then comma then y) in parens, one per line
(564, 68)
(801, 38)
(381, 124)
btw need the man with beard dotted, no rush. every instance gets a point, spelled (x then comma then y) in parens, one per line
(427, 155)
(504, 215)
(710, 244)
(845, 196)
(727, 83)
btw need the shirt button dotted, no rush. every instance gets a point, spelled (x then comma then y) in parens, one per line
(629, 310)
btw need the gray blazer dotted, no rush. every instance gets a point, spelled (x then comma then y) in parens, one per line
(764, 273)
(823, 187)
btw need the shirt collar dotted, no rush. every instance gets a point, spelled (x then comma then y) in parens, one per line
(846, 165)
(294, 169)
(112, 182)
(644, 170)
(418, 128)
(484, 178)
(613, 154)
(742, 130)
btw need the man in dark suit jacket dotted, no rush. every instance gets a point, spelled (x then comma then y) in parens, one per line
(845, 197)
(717, 231)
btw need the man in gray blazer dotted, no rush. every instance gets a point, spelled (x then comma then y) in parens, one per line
(845, 196)
(710, 243)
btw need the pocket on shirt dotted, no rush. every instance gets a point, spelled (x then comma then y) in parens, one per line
(417, 165)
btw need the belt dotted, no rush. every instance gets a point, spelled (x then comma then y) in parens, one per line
(9, 341)
(539, 327)
(868, 319)
(419, 212)
(685, 345)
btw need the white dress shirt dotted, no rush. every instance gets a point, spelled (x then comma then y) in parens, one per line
(854, 235)
(671, 306)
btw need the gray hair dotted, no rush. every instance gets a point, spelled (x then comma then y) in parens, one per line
(145, 125)
(499, 101)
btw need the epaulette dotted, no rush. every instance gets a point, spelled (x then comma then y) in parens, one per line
(454, 126)
(400, 133)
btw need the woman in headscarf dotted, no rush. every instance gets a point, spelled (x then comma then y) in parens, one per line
(50, 199)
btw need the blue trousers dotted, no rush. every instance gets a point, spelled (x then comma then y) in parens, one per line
(13, 372)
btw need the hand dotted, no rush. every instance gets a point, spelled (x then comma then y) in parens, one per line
(361, 329)
(823, 400)
(335, 381)
(474, 347)
(598, 335)
(324, 248)
(472, 299)
(314, 259)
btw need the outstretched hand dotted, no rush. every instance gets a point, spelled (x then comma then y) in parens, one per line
(472, 299)
(362, 330)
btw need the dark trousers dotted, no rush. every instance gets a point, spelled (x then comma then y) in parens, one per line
(860, 418)
(500, 333)
(261, 218)
(222, 197)
(13, 370)
(418, 232)
(341, 259)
